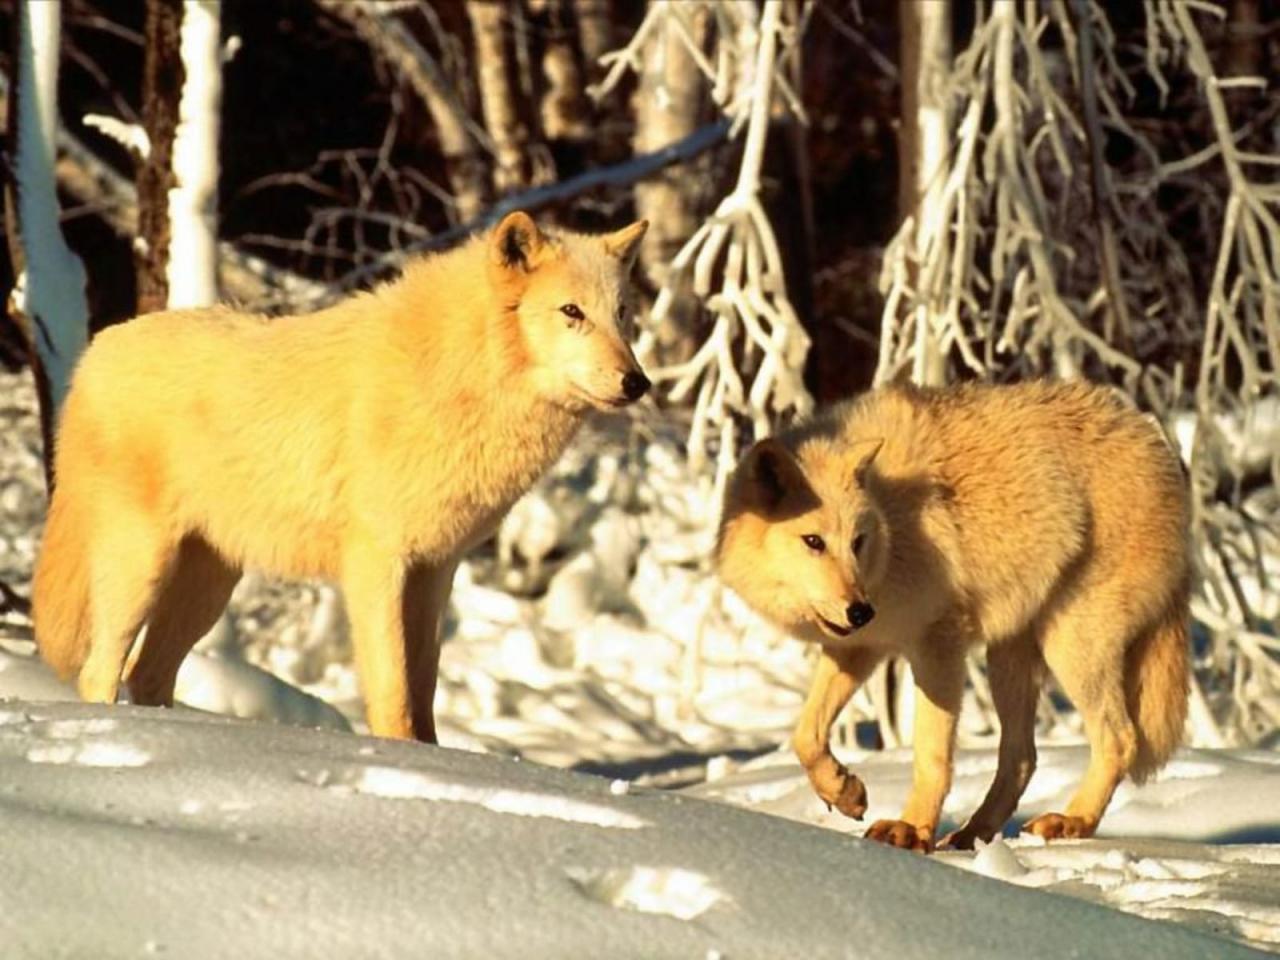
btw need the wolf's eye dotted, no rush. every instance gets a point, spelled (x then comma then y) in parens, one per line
(573, 312)
(814, 542)
(858, 542)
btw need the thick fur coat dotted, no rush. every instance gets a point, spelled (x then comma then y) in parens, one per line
(1045, 522)
(374, 443)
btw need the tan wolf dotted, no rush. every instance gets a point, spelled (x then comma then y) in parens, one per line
(1046, 522)
(374, 442)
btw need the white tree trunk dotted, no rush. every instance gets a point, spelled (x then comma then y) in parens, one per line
(667, 105)
(497, 94)
(51, 294)
(193, 200)
(933, 156)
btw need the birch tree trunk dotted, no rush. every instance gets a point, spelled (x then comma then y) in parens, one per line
(595, 34)
(193, 198)
(563, 109)
(923, 157)
(924, 151)
(497, 98)
(611, 127)
(668, 103)
(48, 302)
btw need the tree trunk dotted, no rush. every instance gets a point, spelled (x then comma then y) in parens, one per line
(48, 301)
(563, 110)
(162, 77)
(595, 34)
(611, 127)
(923, 150)
(668, 104)
(193, 198)
(498, 100)
(1242, 56)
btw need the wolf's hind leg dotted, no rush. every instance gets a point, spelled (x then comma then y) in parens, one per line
(127, 563)
(1090, 668)
(193, 596)
(1015, 670)
(426, 596)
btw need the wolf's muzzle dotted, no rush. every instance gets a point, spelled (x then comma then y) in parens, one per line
(860, 614)
(635, 385)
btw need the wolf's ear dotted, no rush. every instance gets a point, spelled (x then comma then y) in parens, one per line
(864, 455)
(771, 472)
(517, 242)
(625, 243)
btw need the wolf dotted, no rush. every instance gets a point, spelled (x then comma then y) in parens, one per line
(374, 443)
(1045, 522)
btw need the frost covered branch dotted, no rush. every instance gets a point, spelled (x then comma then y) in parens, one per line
(991, 290)
(1237, 393)
(1002, 279)
(750, 363)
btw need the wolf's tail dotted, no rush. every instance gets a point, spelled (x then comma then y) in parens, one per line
(1158, 684)
(60, 588)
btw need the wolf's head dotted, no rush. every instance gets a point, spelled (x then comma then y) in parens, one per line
(802, 538)
(570, 294)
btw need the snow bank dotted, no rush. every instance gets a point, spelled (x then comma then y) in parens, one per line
(167, 832)
(1197, 844)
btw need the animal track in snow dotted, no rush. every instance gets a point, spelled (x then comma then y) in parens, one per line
(1190, 770)
(399, 784)
(671, 891)
(89, 754)
(70, 729)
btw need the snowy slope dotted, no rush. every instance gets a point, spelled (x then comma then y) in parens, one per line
(1199, 844)
(133, 832)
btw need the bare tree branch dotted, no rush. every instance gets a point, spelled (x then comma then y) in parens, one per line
(459, 135)
(619, 175)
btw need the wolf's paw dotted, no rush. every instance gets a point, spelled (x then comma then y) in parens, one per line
(851, 800)
(900, 834)
(1059, 826)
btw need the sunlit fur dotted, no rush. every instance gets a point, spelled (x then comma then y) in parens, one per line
(373, 442)
(1046, 522)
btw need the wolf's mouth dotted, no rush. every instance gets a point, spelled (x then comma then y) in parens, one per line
(834, 628)
(599, 402)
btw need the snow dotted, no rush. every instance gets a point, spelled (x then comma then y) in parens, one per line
(132, 136)
(176, 833)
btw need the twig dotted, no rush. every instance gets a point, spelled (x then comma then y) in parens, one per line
(637, 168)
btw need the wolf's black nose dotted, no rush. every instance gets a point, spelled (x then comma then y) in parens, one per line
(635, 385)
(860, 614)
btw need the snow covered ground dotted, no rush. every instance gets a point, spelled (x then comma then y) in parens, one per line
(133, 832)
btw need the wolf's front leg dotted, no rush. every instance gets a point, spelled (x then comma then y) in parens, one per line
(426, 597)
(373, 586)
(840, 672)
(939, 678)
